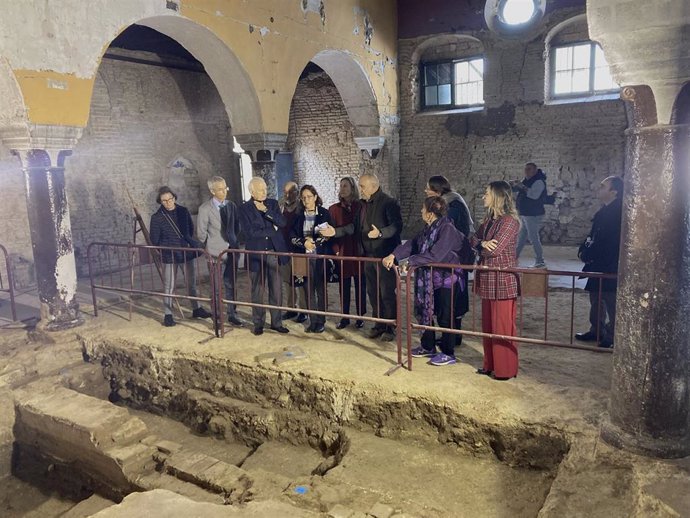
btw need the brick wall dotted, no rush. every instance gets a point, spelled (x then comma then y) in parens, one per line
(148, 126)
(321, 139)
(577, 145)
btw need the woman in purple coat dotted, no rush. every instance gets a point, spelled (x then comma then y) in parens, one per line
(437, 290)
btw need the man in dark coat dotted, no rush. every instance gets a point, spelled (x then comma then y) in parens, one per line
(261, 222)
(600, 253)
(531, 194)
(172, 226)
(378, 226)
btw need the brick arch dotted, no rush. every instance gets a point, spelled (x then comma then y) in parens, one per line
(13, 113)
(354, 88)
(221, 64)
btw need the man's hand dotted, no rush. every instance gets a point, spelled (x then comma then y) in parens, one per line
(388, 261)
(374, 233)
(329, 231)
(260, 205)
(309, 244)
(490, 245)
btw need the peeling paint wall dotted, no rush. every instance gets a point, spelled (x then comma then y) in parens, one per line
(53, 44)
(577, 145)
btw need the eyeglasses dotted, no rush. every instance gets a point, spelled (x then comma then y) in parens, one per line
(226, 189)
(166, 200)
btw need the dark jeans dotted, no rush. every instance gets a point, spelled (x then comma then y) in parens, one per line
(269, 274)
(315, 288)
(360, 294)
(442, 311)
(597, 316)
(381, 291)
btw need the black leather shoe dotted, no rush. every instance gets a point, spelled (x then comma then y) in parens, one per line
(375, 332)
(359, 324)
(258, 330)
(235, 321)
(168, 321)
(201, 313)
(301, 318)
(586, 337)
(344, 322)
(280, 329)
(318, 328)
(289, 314)
(484, 372)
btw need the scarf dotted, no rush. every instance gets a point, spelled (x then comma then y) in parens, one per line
(426, 282)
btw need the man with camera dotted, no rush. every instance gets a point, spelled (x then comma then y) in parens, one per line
(600, 253)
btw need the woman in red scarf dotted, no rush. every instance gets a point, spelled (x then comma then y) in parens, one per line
(343, 213)
(496, 242)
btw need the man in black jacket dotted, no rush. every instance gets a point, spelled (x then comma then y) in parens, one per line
(531, 194)
(600, 253)
(261, 221)
(378, 227)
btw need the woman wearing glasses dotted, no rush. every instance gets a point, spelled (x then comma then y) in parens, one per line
(309, 234)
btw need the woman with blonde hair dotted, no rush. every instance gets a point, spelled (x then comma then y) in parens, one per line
(496, 242)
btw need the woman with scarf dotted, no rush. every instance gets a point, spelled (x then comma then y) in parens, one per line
(307, 236)
(344, 213)
(496, 242)
(459, 214)
(437, 292)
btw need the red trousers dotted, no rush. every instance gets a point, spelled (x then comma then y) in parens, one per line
(500, 356)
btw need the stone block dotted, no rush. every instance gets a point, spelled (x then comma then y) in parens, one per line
(380, 510)
(340, 511)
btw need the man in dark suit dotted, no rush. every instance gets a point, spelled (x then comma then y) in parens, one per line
(378, 226)
(600, 253)
(261, 221)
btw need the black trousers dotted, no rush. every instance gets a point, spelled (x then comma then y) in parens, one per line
(360, 294)
(381, 291)
(315, 287)
(267, 274)
(442, 312)
(597, 315)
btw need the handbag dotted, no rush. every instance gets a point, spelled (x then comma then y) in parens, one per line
(191, 242)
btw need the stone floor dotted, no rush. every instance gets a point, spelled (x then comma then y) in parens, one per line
(562, 390)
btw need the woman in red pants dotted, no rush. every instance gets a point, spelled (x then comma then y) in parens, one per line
(496, 241)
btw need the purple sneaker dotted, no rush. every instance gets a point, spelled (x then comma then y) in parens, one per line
(442, 359)
(420, 352)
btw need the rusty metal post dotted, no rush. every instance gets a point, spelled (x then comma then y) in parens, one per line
(51, 237)
(649, 410)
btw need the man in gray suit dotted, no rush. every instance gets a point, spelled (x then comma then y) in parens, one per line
(218, 226)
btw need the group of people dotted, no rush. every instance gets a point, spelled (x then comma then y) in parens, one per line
(366, 223)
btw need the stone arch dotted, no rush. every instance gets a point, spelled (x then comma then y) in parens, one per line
(429, 44)
(681, 106)
(221, 64)
(355, 89)
(13, 113)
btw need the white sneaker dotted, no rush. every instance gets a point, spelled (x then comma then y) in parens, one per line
(539, 265)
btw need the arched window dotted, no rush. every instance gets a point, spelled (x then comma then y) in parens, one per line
(577, 69)
(451, 73)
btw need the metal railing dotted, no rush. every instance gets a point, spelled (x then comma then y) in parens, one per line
(317, 265)
(8, 287)
(140, 270)
(521, 274)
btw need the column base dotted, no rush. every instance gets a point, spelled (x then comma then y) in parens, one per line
(59, 321)
(645, 445)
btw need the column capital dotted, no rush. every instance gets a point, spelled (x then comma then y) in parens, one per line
(262, 147)
(55, 141)
(371, 145)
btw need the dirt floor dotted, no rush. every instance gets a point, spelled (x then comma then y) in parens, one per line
(440, 437)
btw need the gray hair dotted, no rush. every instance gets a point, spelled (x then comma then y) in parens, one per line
(213, 181)
(353, 186)
(370, 177)
(257, 180)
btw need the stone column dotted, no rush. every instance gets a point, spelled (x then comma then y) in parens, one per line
(263, 148)
(42, 154)
(650, 389)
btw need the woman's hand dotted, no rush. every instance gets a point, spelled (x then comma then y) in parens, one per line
(490, 245)
(329, 231)
(309, 245)
(388, 261)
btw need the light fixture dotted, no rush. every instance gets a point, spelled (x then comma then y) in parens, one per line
(517, 12)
